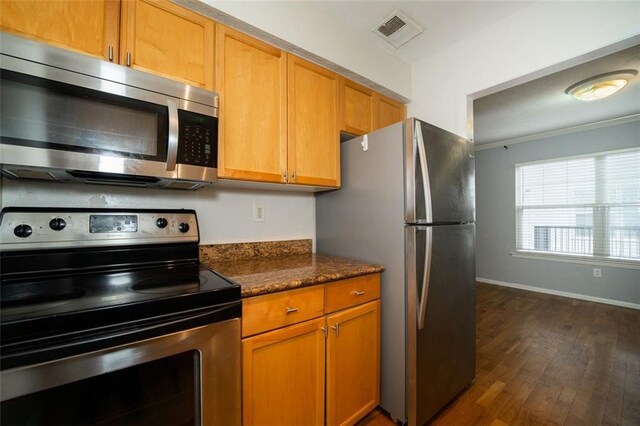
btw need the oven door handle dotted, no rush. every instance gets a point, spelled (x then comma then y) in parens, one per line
(174, 131)
(191, 321)
(91, 362)
(102, 338)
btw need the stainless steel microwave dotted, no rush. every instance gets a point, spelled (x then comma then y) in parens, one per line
(70, 117)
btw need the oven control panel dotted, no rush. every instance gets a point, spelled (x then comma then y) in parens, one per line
(28, 229)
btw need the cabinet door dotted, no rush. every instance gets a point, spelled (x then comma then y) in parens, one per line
(387, 111)
(283, 376)
(353, 363)
(87, 26)
(251, 78)
(314, 138)
(356, 107)
(161, 37)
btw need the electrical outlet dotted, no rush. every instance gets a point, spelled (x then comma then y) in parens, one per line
(258, 212)
(597, 272)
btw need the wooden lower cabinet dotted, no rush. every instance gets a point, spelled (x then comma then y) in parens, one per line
(353, 363)
(283, 376)
(285, 370)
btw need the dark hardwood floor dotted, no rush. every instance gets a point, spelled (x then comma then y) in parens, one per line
(545, 359)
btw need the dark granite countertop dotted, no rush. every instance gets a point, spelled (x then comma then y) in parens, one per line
(263, 275)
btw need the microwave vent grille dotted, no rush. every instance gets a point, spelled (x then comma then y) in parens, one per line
(29, 174)
(183, 185)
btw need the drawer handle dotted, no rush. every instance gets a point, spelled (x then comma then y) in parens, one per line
(358, 293)
(291, 310)
(336, 328)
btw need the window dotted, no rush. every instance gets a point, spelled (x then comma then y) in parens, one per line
(587, 206)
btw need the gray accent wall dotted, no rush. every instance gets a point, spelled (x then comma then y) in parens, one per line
(496, 218)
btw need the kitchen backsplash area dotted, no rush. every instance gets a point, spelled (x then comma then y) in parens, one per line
(254, 250)
(224, 215)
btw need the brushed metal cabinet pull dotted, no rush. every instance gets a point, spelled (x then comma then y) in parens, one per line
(336, 328)
(128, 59)
(111, 53)
(293, 176)
(324, 330)
(358, 293)
(291, 310)
(285, 175)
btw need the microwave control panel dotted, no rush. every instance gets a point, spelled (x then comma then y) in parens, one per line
(198, 139)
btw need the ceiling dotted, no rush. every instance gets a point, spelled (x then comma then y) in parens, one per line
(542, 106)
(444, 22)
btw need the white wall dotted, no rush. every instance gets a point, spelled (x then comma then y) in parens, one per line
(313, 29)
(224, 215)
(534, 38)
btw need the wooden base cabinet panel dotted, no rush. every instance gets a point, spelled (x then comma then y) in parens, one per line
(163, 38)
(251, 78)
(353, 363)
(89, 27)
(283, 376)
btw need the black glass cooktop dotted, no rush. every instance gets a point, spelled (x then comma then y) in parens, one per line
(60, 308)
(123, 290)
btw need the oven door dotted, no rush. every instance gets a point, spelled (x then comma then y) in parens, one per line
(189, 377)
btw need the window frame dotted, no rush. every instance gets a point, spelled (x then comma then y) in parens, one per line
(599, 232)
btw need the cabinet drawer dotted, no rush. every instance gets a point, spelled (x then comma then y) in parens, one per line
(353, 291)
(271, 311)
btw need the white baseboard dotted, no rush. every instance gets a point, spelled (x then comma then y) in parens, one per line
(561, 293)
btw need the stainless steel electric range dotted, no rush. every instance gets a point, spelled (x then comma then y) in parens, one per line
(107, 317)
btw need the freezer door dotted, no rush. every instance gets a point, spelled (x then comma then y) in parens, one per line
(439, 175)
(440, 317)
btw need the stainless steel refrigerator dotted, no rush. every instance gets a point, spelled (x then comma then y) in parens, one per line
(407, 202)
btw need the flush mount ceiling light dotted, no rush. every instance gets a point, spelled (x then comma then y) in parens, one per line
(600, 86)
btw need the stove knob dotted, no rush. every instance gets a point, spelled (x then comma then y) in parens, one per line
(183, 227)
(22, 231)
(161, 222)
(57, 224)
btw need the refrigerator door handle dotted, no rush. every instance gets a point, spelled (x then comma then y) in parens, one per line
(422, 152)
(422, 307)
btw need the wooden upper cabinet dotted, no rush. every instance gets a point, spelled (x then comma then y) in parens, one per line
(313, 124)
(90, 27)
(251, 78)
(387, 111)
(353, 363)
(356, 108)
(164, 38)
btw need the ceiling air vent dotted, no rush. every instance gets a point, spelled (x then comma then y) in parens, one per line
(397, 29)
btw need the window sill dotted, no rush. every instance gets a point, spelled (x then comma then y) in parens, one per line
(571, 259)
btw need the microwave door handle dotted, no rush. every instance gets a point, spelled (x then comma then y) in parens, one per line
(172, 143)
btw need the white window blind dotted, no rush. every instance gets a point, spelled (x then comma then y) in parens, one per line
(587, 206)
